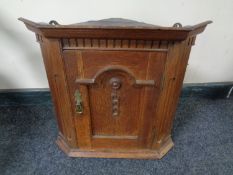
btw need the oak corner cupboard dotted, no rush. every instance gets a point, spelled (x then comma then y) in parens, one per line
(115, 84)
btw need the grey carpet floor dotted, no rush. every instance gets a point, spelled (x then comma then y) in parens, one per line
(202, 133)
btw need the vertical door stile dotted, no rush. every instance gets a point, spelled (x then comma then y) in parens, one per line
(74, 70)
(144, 93)
(156, 60)
(83, 120)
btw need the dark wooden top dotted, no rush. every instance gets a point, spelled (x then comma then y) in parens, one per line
(114, 28)
(116, 23)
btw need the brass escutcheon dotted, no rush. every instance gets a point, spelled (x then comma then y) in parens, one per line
(78, 102)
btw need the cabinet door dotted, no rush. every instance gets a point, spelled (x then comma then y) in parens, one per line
(114, 96)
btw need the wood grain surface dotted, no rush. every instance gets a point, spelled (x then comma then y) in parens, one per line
(128, 75)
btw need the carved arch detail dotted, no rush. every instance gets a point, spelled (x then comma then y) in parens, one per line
(119, 69)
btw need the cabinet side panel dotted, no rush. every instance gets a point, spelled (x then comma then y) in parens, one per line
(57, 82)
(178, 83)
(173, 79)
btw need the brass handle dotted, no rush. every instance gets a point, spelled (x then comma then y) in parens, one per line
(78, 102)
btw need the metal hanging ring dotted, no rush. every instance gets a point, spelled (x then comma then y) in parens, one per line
(53, 22)
(178, 25)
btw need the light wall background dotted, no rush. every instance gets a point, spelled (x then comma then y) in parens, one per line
(21, 63)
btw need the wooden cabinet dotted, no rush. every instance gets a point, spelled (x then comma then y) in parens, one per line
(115, 84)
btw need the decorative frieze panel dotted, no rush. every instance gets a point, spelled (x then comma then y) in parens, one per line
(87, 43)
(39, 38)
(191, 41)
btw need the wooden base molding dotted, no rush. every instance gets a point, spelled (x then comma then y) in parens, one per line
(134, 154)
